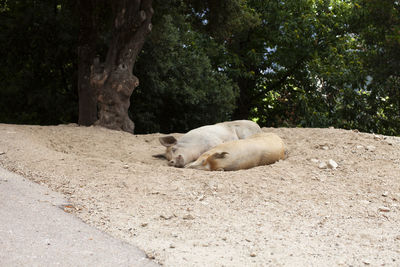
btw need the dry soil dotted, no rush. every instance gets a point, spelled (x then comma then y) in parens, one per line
(297, 212)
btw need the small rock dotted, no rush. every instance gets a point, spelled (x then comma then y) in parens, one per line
(323, 165)
(150, 255)
(325, 148)
(2, 152)
(172, 245)
(385, 194)
(366, 262)
(144, 224)
(378, 137)
(188, 217)
(67, 207)
(126, 166)
(252, 254)
(384, 209)
(332, 164)
(314, 160)
(359, 147)
(341, 262)
(174, 234)
(166, 217)
(389, 142)
(371, 148)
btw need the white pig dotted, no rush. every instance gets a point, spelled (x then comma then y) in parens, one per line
(195, 142)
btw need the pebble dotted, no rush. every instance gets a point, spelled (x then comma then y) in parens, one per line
(332, 164)
(174, 234)
(2, 152)
(150, 255)
(166, 217)
(126, 166)
(378, 137)
(188, 217)
(366, 262)
(385, 194)
(323, 165)
(325, 148)
(371, 148)
(389, 142)
(172, 246)
(359, 147)
(384, 209)
(253, 254)
(314, 160)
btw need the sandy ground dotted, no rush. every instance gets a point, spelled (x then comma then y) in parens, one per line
(294, 212)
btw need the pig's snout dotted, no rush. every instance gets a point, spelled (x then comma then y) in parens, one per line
(180, 162)
(177, 162)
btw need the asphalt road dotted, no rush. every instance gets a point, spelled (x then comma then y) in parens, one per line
(36, 231)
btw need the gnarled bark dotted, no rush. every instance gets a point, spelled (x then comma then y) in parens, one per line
(105, 87)
(113, 79)
(114, 91)
(86, 53)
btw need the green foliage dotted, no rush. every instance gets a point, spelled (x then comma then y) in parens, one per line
(378, 24)
(306, 63)
(221, 19)
(323, 65)
(38, 64)
(179, 89)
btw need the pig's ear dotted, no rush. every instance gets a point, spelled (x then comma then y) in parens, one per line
(167, 140)
(219, 155)
(160, 156)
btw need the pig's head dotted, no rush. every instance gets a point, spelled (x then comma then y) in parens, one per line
(177, 155)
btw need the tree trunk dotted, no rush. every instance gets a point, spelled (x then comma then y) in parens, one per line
(113, 80)
(86, 53)
(246, 99)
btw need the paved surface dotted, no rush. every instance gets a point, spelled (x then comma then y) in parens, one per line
(35, 231)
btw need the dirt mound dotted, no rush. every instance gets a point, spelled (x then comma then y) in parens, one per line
(300, 211)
